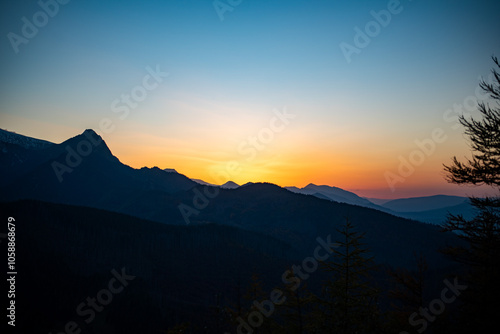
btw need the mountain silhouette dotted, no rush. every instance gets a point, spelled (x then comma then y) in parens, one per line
(23, 141)
(83, 171)
(229, 185)
(299, 219)
(416, 204)
(91, 176)
(82, 212)
(335, 194)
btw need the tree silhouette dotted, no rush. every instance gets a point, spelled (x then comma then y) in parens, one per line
(349, 300)
(246, 317)
(482, 234)
(296, 310)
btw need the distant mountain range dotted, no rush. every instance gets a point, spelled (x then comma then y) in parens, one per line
(83, 171)
(430, 209)
(416, 204)
(335, 194)
(40, 163)
(193, 247)
(227, 185)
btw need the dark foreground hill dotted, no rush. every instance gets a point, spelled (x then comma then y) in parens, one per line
(141, 276)
(66, 254)
(299, 219)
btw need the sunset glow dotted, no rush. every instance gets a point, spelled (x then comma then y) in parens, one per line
(191, 92)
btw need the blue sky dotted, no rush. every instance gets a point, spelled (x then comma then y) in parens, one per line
(225, 78)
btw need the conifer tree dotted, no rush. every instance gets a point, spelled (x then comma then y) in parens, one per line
(481, 256)
(295, 312)
(349, 299)
(246, 315)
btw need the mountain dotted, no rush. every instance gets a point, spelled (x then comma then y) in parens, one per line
(335, 194)
(204, 183)
(18, 153)
(229, 185)
(416, 204)
(430, 209)
(246, 184)
(192, 248)
(23, 141)
(438, 216)
(378, 201)
(299, 219)
(83, 171)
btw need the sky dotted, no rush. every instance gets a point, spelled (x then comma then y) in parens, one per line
(362, 95)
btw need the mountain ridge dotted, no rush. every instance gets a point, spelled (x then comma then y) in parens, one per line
(424, 203)
(22, 140)
(336, 194)
(101, 181)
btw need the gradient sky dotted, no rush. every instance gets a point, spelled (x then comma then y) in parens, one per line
(353, 121)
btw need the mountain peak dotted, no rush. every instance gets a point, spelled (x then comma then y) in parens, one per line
(170, 170)
(91, 133)
(324, 186)
(230, 185)
(87, 142)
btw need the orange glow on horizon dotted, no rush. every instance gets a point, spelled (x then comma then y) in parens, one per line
(291, 159)
(296, 169)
